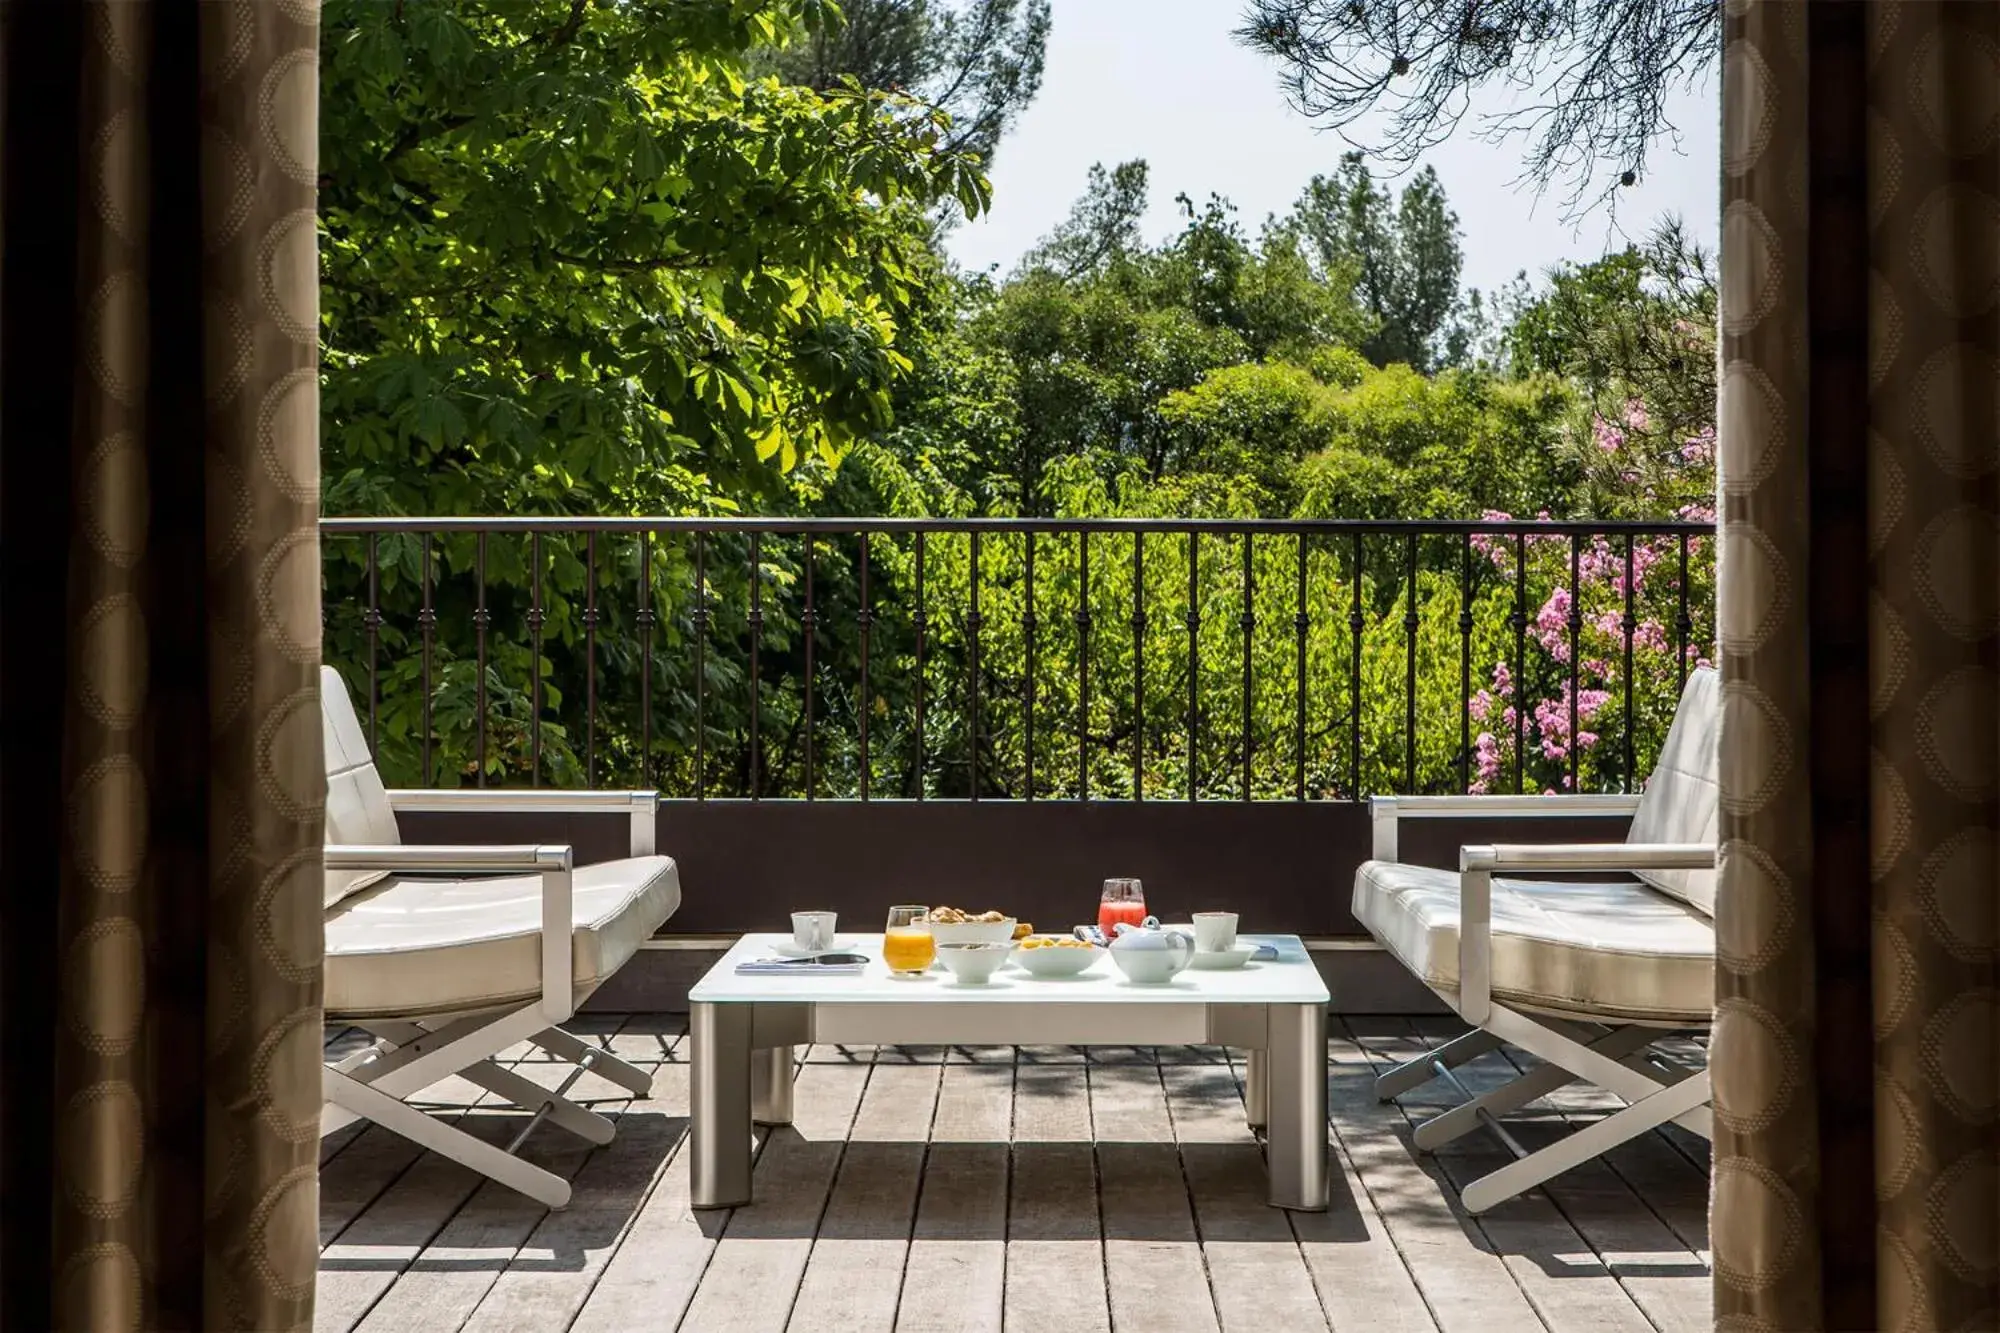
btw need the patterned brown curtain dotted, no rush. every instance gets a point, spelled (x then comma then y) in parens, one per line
(1857, 1076)
(160, 785)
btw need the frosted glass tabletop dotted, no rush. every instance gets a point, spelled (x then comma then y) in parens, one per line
(1291, 979)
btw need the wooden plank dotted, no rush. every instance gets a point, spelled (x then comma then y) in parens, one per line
(1361, 1279)
(447, 1281)
(1055, 1242)
(1152, 1254)
(1051, 1104)
(752, 1278)
(1666, 1282)
(374, 1159)
(1465, 1286)
(855, 1268)
(652, 1275)
(955, 1275)
(1128, 1105)
(1554, 1266)
(551, 1276)
(1255, 1270)
(1654, 1165)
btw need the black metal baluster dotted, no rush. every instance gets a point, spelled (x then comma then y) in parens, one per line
(1139, 666)
(590, 660)
(866, 619)
(919, 619)
(1193, 616)
(1410, 665)
(1356, 623)
(1248, 622)
(1028, 702)
(1575, 631)
(1299, 711)
(808, 623)
(1520, 623)
(756, 673)
(972, 623)
(646, 617)
(481, 618)
(372, 618)
(535, 618)
(1083, 666)
(1465, 667)
(1682, 626)
(1630, 623)
(700, 665)
(427, 628)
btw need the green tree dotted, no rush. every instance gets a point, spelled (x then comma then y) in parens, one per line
(575, 259)
(978, 61)
(1635, 331)
(1404, 255)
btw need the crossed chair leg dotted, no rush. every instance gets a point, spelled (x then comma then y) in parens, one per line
(407, 1055)
(1613, 1058)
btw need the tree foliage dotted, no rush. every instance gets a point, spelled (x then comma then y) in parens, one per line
(977, 61)
(575, 259)
(1405, 257)
(1587, 80)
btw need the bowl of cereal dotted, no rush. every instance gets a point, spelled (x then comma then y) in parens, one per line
(1055, 956)
(949, 925)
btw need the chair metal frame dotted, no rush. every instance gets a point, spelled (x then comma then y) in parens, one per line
(411, 1052)
(1611, 1051)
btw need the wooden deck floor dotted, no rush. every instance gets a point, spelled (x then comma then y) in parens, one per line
(985, 1189)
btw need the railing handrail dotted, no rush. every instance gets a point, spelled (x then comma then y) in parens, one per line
(362, 523)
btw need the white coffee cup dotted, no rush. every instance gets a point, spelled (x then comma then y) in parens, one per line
(813, 931)
(1214, 931)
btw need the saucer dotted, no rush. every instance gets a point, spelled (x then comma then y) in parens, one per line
(1221, 960)
(786, 949)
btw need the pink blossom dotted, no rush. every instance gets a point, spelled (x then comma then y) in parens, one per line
(1636, 415)
(1700, 511)
(1700, 449)
(1609, 438)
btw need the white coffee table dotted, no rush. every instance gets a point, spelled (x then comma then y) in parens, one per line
(743, 1029)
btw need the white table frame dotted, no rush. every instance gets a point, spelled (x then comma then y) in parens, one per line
(743, 1055)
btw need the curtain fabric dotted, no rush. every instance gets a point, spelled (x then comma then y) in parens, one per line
(1857, 1077)
(161, 787)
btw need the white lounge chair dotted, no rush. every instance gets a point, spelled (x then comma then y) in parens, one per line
(449, 955)
(1588, 976)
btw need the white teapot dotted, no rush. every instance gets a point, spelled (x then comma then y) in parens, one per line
(1151, 955)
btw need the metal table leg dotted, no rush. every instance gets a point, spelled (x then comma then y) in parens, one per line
(1295, 1074)
(1256, 1088)
(719, 1123)
(771, 1086)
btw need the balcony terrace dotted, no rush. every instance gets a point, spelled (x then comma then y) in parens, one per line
(845, 711)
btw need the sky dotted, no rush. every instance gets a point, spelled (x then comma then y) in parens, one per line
(1163, 80)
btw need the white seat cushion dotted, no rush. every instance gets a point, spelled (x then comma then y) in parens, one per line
(357, 806)
(1614, 950)
(410, 947)
(1681, 802)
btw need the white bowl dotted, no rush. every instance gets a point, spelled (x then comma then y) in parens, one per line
(973, 964)
(1063, 961)
(971, 932)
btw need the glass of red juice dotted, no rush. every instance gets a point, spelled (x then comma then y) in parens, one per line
(1124, 900)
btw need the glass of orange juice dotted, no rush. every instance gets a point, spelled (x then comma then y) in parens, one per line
(907, 946)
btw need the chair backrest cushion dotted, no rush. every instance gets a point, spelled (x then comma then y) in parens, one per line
(357, 805)
(1680, 802)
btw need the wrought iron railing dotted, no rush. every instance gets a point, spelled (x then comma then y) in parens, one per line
(1029, 659)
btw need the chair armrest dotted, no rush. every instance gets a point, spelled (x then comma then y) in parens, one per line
(553, 863)
(641, 806)
(1625, 856)
(480, 859)
(1475, 895)
(1385, 811)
